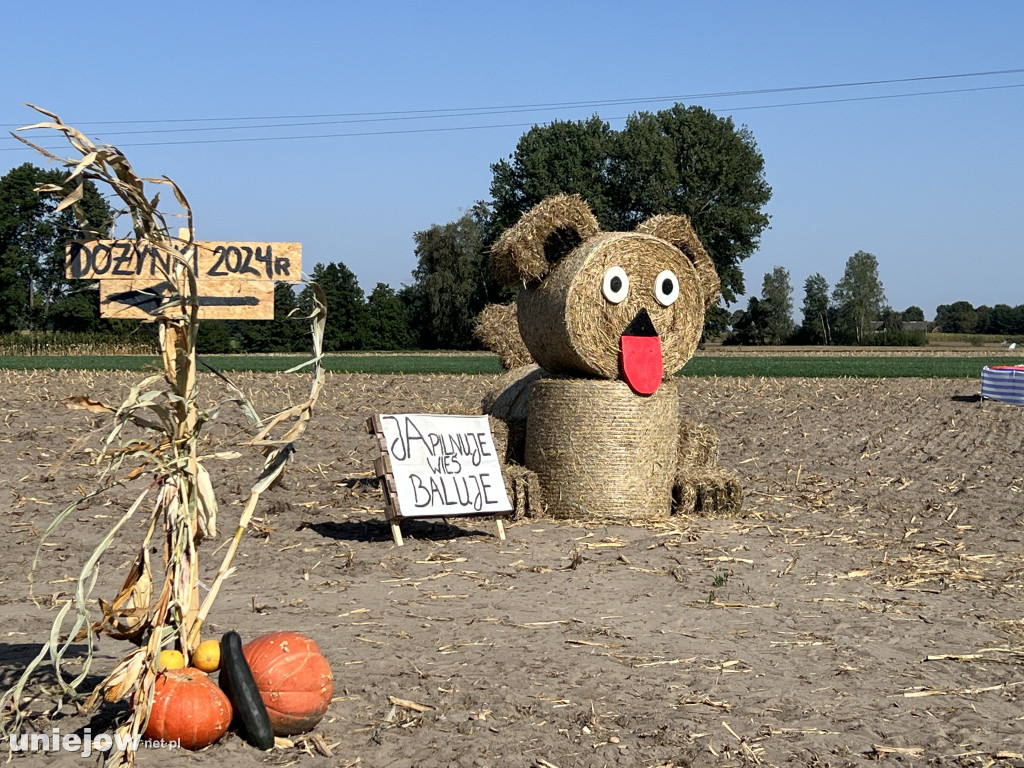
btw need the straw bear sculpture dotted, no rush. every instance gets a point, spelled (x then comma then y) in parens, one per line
(594, 430)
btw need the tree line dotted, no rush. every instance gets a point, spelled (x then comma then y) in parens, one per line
(856, 312)
(681, 160)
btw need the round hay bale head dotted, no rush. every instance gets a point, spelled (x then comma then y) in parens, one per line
(600, 451)
(570, 327)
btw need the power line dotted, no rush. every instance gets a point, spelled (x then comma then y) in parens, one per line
(507, 108)
(524, 108)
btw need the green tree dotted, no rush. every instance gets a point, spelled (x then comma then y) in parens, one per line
(416, 307)
(984, 322)
(1001, 320)
(682, 160)
(77, 310)
(913, 314)
(958, 317)
(891, 319)
(214, 338)
(750, 326)
(859, 297)
(716, 322)
(387, 320)
(346, 307)
(452, 276)
(287, 332)
(816, 327)
(777, 306)
(687, 160)
(562, 157)
(32, 237)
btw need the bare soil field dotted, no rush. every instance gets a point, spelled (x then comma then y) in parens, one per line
(867, 606)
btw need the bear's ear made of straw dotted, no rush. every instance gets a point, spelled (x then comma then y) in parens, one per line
(547, 232)
(678, 231)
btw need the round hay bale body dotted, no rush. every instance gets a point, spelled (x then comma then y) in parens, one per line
(570, 328)
(602, 452)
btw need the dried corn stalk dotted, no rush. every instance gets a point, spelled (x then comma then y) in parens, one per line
(179, 498)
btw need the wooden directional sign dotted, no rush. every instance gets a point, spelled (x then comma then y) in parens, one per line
(235, 280)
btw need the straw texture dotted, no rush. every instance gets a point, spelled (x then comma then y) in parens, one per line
(698, 445)
(602, 452)
(509, 402)
(709, 492)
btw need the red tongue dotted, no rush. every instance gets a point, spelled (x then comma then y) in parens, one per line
(641, 363)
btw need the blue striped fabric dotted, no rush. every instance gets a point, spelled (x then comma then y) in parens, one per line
(1005, 383)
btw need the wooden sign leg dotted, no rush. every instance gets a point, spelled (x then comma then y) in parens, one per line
(396, 533)
(501, 528)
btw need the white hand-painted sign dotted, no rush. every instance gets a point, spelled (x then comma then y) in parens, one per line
(444, 466)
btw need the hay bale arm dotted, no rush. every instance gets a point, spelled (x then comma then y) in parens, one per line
(497, 328)
(698, 447)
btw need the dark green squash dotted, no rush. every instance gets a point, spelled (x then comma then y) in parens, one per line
(237, 682)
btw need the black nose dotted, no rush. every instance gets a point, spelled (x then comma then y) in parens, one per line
(641, 325)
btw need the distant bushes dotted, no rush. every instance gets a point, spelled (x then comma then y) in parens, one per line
(898, 338)
(63, 343)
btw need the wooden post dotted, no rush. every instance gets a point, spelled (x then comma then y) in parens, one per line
(382, 468)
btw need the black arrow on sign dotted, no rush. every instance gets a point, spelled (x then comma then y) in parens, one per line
(151, 298)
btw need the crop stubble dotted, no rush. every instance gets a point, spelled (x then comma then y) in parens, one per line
(868, 606)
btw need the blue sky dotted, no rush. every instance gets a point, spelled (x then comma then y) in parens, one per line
(931, 184)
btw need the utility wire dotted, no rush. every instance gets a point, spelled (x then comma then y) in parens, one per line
(377, 117)
(240, 139)
(506, 108)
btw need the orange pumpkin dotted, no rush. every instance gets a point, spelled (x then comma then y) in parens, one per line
(189, 707)
(294, 680)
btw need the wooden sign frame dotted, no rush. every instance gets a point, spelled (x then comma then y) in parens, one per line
(476, 451)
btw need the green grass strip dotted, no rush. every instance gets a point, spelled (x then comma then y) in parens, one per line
(79, 363)
(840, 367)
(766, 366)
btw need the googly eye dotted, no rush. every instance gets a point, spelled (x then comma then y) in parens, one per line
(666, 287)
(615, 285)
